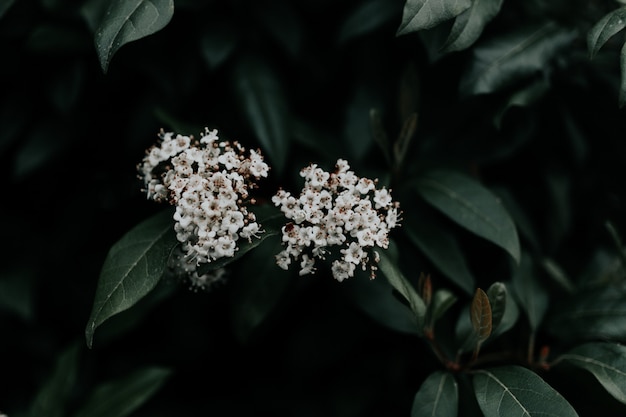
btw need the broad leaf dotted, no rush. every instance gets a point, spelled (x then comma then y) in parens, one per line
(132, 268)
(129, 20)
(441, 248)
(496, 293)
(54, 395)
(511, 58)
(472, 206)
(438, 396)
(265, 106)
(480, 314)
(516, 391)
(532, 297)
(606, 361)
(121, 397)
(425, 14)
(404, 287)
(612, 23)
(469, 25)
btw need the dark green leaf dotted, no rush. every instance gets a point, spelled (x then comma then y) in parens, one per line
(511, 58)
(379, 134)
(17, 291)
(425, 14)
(612, 23)
(441, 248)
(121, 397)
(480, 314)
(472, 206)
(511, 314)
(496, 293)
(557, 274)
(441, 302)
(404, 287)
(522, 98)
(132, 268)
(469, 25)
(622, 65)
(218, 43)
(368, 16)
(265, 106)
(4, 6)
(598, 313)
(257, 288)
(127, 21)
(531, 295)
(53, 397)
(515, 391)
(606, 361)
(438, 396)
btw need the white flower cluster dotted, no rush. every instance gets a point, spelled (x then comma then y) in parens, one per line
(208, 182)
(335, 209)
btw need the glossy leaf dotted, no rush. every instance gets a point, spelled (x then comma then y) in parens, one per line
(511, 58)
(612, 23)
(404, 287)
(54, 395)
(469, 25)
(121, 397)
(472, 206)
(264, 104)
(516, 391)
(607, 363)
(438, 396)
(425, 14)
(480, 314)
(127, 21)
(532, 297)
(496, 293)
(132, 268)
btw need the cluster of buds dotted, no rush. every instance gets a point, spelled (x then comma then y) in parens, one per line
(336, 209)
(208, 181)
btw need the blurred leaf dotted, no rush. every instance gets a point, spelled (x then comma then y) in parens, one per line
(357, 128)
(496, 293)
(265, 105)
(480, 313)
(51, 39)
(622, 65)
(441, 302)
(598, 313)
(510, 316)
(218, 43)
(531, 295)
(121, 397)
(438, 396)
(43, 145)
(404, 287)
(441, 248)
(606, 361)
(401, 145)
(127, 21)
(472, 206)
(4, 6)
(283, 23)
(516, 391)
(469, 25)
(526, 96)
(522, 222)
(612, 23)
(132, 268)
(367, 17)
(558, 275)
(511, 58)
(93, 11)
(52, 398)
(17, 290)
(425, 14)
(379, 134)
(257, 288)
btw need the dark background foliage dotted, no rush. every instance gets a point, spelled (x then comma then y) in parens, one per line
(71, 136)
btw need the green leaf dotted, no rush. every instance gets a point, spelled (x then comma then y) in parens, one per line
(132, 268)
(404, 287)
(425, 14)
(53, 396)
(442, 301)
(531, 295)
(469, 25)
(438, 396)
(4, 6)
(441, 248)
(496, 293)
(264, 103)
(597, 313)
(515, 391)
(606, 361)
(612, 23)
(514, 57)
(480, 314)
(218, 43)
(622, 87)
(129, 20)
(257, 288)
(121, 397)
(367, 17)
(472, 206)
